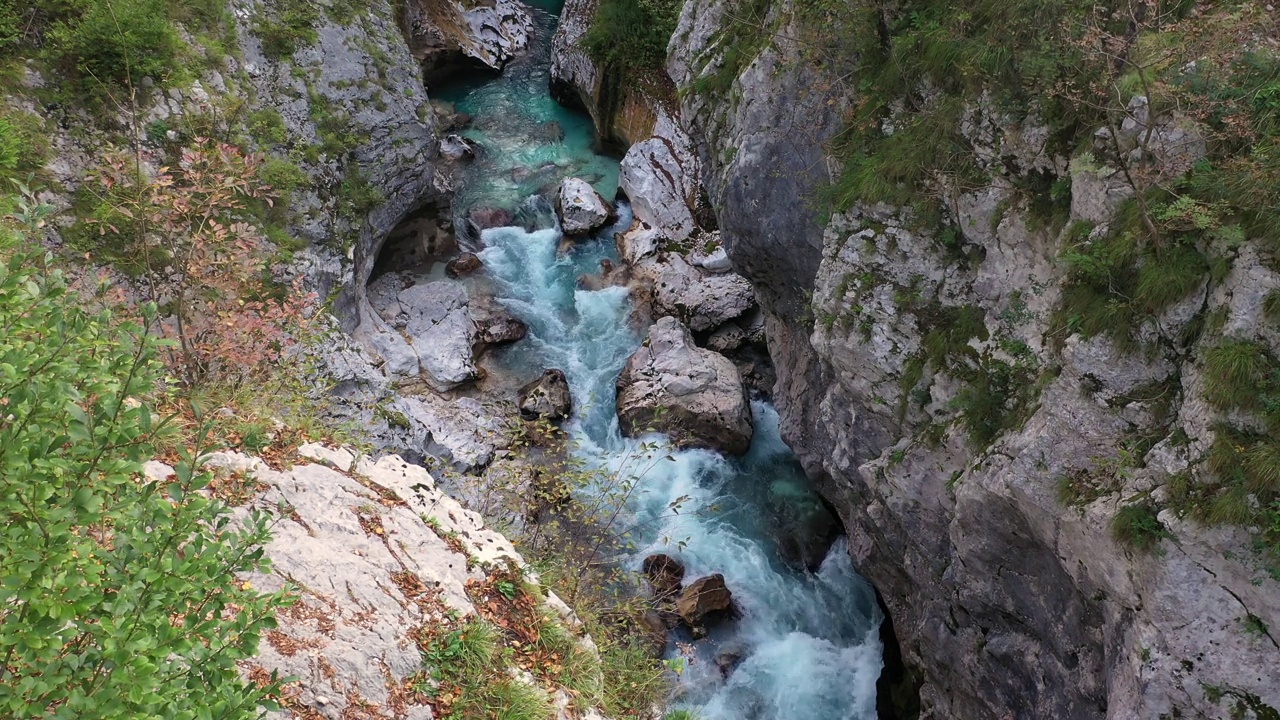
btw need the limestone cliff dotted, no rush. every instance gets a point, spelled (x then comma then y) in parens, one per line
(979, 450)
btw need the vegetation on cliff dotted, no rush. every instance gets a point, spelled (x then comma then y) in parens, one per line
(1177, 102)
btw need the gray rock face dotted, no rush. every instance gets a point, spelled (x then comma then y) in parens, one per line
(1006, 602)
(703, 301)
(693, 395)
(489, 32)
(441, 332)
(547, 397)
(582, 210)
(661, 177)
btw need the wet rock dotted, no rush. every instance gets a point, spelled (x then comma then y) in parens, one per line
(458, 148)
(582, 210)
(610, 275)
(495, 325)
(665, 574)
(534, 214)
(441, 332)
(464, 264)
(693, 395)
(483, 218)
(706, 600)
(727, 662)
(547, 397)
(654, 630)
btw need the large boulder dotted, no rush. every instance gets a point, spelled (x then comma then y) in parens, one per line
(661, 177)
(703, 301)
(441, 332)
(547, 397)
(705, 600)
(582, 210)
(693, 395)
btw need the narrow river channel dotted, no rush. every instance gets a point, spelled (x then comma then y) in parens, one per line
(806, 644)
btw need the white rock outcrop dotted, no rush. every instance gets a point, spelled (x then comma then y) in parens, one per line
(581, 208)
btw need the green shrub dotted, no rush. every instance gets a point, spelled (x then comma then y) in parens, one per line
(1139, 527)
(10, 25)
(114, 41)
(631, 36)
(119, 597)
(266, 126)
(286, 26)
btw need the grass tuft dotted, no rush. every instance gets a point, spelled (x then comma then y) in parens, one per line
(1139, 527)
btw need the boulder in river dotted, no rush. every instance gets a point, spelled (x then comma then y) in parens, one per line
(547, 397)
(665, 574)
(455, 147)
(704, 301)
(704, 601)
(464, 264)
(495, 325)
(582, 210)
(694, 395)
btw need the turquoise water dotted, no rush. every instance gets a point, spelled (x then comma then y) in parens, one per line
(808, 642)
(529, 141)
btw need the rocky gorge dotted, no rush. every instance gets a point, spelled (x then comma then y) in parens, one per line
(701, 309)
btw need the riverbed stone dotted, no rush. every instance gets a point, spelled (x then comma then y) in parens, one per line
(694, 395)
(546, 397)
(582, 210)
(704, 601)
(664, 573)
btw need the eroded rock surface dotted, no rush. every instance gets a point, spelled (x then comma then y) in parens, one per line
(444, 34)
(694, 395)
(1007, 601)
(582, 210)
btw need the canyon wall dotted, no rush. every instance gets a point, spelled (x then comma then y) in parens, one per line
(977, 452)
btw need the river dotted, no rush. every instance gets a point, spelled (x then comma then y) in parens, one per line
(806, 644)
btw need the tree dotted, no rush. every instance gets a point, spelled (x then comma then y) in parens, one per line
(120, 596)
(206, 261)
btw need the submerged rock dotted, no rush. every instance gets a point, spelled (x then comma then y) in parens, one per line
(610, 275)
(705, 600)
(582, 210)
(547, 397)
(693, 395)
